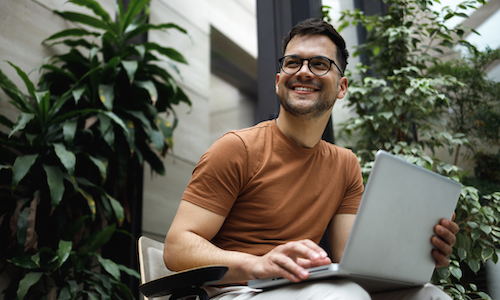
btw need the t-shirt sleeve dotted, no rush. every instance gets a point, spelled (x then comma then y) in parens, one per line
(354, 186)
(218, 177)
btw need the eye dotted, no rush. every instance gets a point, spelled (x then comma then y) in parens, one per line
(292, 62)
(320, 63)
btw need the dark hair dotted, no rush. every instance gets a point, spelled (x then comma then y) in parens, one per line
(319, 27)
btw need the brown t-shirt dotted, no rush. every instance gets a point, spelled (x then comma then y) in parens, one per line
(271, 190)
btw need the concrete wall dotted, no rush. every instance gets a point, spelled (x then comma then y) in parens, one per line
(217, 105)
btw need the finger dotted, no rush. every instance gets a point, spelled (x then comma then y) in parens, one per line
(306, 249)
(441, 260)
(306, 263)
(452, 226)
(446, 234)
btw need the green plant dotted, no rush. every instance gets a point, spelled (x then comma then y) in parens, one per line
(401, 108)
(96, 110)
(474, 101)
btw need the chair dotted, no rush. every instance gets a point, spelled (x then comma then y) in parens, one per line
(158, 281)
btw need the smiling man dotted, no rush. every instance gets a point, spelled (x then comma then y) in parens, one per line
(261, 198)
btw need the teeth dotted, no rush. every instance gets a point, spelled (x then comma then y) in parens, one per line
(304, 89)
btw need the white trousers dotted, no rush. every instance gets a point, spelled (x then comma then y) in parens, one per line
(325, 290)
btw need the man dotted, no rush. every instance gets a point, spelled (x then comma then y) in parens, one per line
(261, 198)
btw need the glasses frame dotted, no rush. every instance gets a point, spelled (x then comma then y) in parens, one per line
(308, 64)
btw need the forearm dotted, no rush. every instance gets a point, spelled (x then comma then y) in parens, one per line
(188, 250)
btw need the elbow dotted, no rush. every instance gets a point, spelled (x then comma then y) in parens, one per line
(170, 258)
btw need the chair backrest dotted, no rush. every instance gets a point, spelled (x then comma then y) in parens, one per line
(151, 265)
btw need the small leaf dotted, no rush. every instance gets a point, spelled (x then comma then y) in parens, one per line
(474, 265)
(456, 272)
(100, 165)
(77, 93)
(28, 281)
(462, 254)
(487, 253)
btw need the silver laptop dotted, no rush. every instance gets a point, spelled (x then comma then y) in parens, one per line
(389, 246)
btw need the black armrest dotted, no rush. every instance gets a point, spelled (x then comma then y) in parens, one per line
(185, 283)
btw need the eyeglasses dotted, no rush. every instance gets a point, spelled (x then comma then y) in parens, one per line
(318, 65)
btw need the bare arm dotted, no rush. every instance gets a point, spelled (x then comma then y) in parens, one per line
(338, 233)
(188, 245)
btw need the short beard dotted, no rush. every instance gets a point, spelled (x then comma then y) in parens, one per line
(319, 108)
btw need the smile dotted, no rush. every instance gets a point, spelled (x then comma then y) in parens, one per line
(304, 89)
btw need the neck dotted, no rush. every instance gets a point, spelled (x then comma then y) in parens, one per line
(305, 133)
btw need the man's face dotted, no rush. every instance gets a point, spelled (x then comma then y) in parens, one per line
(305, 95)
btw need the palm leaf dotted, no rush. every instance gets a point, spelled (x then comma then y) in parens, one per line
(134, 8)
(168, 52)
(83, 19)
(76, 32)
(98, 10)
(136, 29)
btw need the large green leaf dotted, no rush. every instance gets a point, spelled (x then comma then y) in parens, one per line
(98, 10)
(136, 29)
(15, 94)
(168, 52)
(55, 181)
(100, 238)
(67, 158)
(72, 32)
(101, 165)
(22, 121)
(134, 8)
(22, 165)
(130, 67)
(109, 266)
(83, 19)
(22, 226)
(90, 202)
(107, 95)
(69, 131)
(27, 282)
(63, 251)
(150, 87)
(27, 81)
(117, 208)
(43, 100)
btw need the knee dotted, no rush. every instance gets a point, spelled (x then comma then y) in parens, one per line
(432, 292)
(338, 290)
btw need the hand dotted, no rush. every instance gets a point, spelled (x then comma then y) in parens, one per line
(444, 241)
(290, 261)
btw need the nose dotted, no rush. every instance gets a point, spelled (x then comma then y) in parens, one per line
(304, 69)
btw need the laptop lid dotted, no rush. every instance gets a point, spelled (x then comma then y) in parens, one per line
(389, 246)
(391, 235)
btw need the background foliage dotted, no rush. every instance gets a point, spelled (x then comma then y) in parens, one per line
(63, 164)
(403, 106)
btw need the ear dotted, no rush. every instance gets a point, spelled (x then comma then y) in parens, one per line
(342, 88)
(276, 83)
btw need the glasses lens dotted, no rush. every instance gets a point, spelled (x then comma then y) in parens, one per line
(291, 64)
(319, 65)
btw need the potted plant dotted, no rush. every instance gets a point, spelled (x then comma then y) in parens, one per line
(96, 109)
